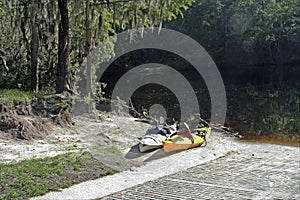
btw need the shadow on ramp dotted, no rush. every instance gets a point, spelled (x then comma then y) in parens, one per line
(134, 153)
(160, 153)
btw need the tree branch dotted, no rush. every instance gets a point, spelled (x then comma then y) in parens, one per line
(107, 2)
(3, 60)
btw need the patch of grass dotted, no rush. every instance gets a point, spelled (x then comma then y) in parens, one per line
(108, 149)
(36, 177)
(108, 172)
(9, 96)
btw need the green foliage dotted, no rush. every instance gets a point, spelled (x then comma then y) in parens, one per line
(15, 40)
(9, 96)
(270, 20)
(264, 111)
(106, 20)
(88, 100)
(225, 26)
(99, 90)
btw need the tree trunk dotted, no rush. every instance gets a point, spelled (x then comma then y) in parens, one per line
(89, 77)
(63, 81)
(34, 49)
(87, 49)
(23, 26)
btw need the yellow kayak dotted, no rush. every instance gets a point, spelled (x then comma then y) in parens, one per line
(185, 140)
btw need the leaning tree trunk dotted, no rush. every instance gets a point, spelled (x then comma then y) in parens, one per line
(63, 81)
(89, 79)
(87, 48)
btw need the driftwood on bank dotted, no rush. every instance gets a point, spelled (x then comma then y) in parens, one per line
(145, 118)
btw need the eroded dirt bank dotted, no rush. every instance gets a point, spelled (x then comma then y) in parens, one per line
(105, 135)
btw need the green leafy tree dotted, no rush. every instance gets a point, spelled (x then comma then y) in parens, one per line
(29, 34)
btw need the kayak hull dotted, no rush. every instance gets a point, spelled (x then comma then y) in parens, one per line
(182, 142)
(144, 147)
(178, 143)
(151, 141)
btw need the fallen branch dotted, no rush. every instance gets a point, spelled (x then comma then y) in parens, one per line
(119, 102)
(20, 132)
(226, 130)
(221, 128)
(146, 116)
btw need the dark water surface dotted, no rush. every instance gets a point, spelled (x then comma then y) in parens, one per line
(256, 107)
